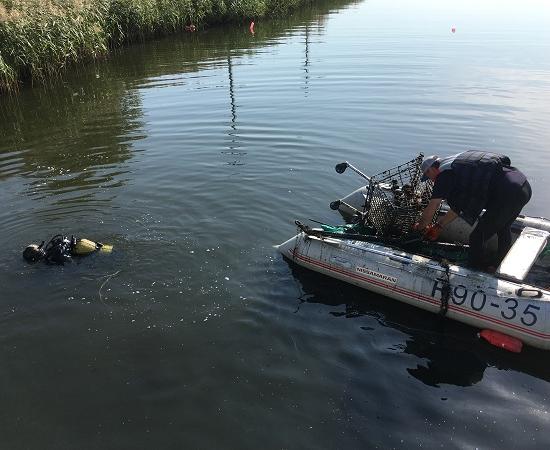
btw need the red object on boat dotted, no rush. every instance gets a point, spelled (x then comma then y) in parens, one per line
(502, 340)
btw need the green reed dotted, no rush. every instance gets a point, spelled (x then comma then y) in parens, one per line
(40, 38)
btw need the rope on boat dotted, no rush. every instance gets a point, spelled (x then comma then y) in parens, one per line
(445, 290)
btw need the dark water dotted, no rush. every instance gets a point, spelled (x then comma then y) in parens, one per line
(193, 155)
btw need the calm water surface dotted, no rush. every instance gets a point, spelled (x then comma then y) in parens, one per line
(193, 155)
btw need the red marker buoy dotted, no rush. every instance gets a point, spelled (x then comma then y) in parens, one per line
(502, 340)
(252, 27)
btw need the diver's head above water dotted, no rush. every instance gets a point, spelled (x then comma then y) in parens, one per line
(33, 253)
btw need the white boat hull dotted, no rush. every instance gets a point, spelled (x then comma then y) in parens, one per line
(476, 298)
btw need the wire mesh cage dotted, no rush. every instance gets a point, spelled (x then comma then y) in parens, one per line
(396, 198)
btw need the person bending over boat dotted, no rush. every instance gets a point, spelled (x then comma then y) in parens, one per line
(470, 182)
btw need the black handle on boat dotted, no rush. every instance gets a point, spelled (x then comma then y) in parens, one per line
(357, 215)
(341, 168)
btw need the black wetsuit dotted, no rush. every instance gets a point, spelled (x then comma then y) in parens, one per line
(59, 249)
(508, 193)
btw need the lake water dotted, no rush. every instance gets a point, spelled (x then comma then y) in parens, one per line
(193, 155)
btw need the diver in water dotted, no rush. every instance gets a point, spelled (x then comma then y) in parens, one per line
(61, 249)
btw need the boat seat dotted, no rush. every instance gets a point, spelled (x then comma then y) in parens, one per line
(523, 254)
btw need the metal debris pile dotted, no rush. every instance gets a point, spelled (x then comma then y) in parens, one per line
(396, 198)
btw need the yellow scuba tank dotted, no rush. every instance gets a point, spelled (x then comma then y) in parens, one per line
(105, 248)
(85, 247)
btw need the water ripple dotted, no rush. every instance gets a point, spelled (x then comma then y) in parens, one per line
(193, 155)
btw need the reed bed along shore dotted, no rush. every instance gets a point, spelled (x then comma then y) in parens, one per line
(40, 38)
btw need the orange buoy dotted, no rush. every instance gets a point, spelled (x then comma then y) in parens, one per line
(502, 340)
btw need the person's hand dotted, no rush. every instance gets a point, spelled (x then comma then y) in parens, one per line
(432, 231)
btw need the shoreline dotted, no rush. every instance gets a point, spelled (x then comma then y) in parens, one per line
(41, 39)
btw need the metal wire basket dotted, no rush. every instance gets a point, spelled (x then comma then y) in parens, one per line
(396, 198)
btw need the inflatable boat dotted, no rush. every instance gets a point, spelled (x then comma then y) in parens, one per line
(513, 300)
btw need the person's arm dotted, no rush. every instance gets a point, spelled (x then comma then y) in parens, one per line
(428, 213)
(432, 232)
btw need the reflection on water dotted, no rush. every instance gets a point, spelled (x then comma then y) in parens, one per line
(446, 352)
(445, 363)
(306, 60)
(193, 155)
(233, 146)
(71, 149)
(71, 139)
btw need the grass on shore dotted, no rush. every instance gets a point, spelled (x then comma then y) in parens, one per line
(39, 38)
